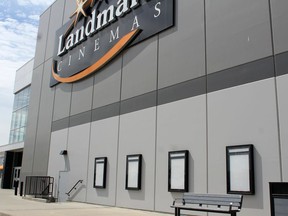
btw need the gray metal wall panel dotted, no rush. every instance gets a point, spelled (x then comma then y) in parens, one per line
(42, 38)
(82, 92)
(279, 21)
(58, 162)
(237, 32)
(245, 115)
(54, 24)
(181, 126)
(78, 145)
(31, 130)
(103, 144)
(42, 146)
(62, 101)
(283, 116)
(139, 69)
(182, 48)
(107, 84)
(137, 136)
(70, 7)
(23, 76)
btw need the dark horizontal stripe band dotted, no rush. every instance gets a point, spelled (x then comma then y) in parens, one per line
(239, 75)
(106, 112)
(183, 90)
(281, 63)
(60, 124)
(246, 73)
(82, 118)
(138, 103)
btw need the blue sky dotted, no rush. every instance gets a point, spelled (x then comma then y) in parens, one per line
(18, 32)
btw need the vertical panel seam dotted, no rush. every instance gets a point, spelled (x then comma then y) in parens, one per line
(156, 123)
(55, 88)
(206, 98)
(54, 91)
(118, 138)
(39, 103)
(47, 32)
(276, 92)
(63, 12)
(88, 159)
(89, 142)
(37, 121)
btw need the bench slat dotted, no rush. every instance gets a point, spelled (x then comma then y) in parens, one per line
(214, 203)
(213, 199)
(212, 196)
(210, 199)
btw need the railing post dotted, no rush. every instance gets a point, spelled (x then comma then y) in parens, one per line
(21, 189)
(16, 183)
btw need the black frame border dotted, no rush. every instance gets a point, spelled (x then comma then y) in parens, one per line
(251, 168)
(104, 172)
(186, 168)
(139, 172)
(277, 190)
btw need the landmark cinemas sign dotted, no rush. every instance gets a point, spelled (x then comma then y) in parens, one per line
(100, 29)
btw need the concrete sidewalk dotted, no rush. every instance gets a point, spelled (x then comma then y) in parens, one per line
(11, 205)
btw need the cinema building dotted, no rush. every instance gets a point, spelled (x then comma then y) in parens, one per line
(139, 101)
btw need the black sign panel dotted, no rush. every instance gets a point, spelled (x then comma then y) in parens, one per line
(81, 49)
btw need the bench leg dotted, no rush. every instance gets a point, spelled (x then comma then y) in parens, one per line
(177, 212)
(233, 214)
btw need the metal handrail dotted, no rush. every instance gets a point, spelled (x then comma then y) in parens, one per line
(39, 186)
(74, 187)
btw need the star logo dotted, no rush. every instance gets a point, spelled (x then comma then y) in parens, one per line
(82, 6)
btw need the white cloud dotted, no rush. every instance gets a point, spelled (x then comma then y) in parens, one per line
(21, 14)
(34, 17)
(17, 42)
(35, 2)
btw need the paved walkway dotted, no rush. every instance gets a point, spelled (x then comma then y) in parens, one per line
(11, 205)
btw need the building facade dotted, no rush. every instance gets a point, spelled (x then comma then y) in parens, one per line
(216, 78)
(12, 153)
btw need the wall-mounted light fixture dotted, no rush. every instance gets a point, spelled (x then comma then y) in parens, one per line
(240, 169)
(178, 175)
(63, 152)
(133, 172)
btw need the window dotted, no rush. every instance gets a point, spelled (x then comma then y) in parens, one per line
(19, 116)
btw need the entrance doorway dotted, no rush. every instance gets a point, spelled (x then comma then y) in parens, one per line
(16, 176)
